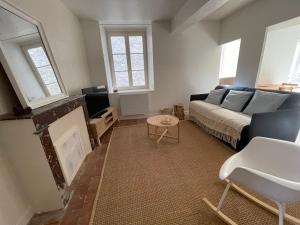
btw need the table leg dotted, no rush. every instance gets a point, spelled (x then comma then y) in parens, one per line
(178, 132)
(162, 135)
(148, 129)
(98, 141)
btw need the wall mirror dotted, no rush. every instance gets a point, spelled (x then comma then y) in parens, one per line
(27, 59)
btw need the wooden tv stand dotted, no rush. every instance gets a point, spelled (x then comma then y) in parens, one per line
(100, 125)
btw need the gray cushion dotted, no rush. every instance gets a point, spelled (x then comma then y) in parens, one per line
(215, 96)
(264, 101)
(235, 100)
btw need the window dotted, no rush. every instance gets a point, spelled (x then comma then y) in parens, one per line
(127, 53)
(295, 70)
(41, 66)
(229, 59)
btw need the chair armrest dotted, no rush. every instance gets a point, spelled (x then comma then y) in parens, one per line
(281, 124)
(198, 97)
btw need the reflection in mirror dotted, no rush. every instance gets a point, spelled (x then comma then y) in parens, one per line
(27, 58)
(280, 62)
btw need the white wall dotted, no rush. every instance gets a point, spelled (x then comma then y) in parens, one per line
(184, 63)
(15, 208)
(65, 37)
(250, 24)
(278, 55)
(93, 45)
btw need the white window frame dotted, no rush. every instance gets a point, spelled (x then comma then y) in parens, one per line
(222, 60)
(126, 35)
(147, 28)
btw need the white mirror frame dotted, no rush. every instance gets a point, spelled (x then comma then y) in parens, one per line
(15, 83)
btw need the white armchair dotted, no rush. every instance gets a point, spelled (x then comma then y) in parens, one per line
(269, 167)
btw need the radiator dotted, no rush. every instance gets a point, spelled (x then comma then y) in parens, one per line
(134, 104)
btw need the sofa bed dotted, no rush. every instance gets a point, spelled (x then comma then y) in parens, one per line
(237, 114)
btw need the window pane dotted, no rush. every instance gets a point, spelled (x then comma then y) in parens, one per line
(136, 44)
(122, 79)
(47, 75)
(137, 61)
(229, 59)
(120, 62)
(53, 89)
(138, 78)
(118, 45)
(38, 56)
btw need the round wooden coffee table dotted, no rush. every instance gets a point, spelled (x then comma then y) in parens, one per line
(157, 122)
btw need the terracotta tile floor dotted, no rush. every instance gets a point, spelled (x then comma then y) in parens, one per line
(84, 187)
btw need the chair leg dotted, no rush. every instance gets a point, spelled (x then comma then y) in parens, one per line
(281, 212)
(217, 210)
(266, 206)
(281, 207)
(223, 196)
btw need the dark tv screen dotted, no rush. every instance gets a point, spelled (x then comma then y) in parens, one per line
(96, 100)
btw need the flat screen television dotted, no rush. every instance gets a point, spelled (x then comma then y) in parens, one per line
(96, 100)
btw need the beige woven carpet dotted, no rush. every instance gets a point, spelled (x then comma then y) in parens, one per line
(145, 184)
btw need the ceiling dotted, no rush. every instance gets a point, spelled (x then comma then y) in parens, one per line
(228, 8)
(125, 11)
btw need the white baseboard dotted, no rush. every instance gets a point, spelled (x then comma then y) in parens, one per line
(23, 220)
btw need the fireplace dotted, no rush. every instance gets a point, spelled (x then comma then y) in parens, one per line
(46, 148)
